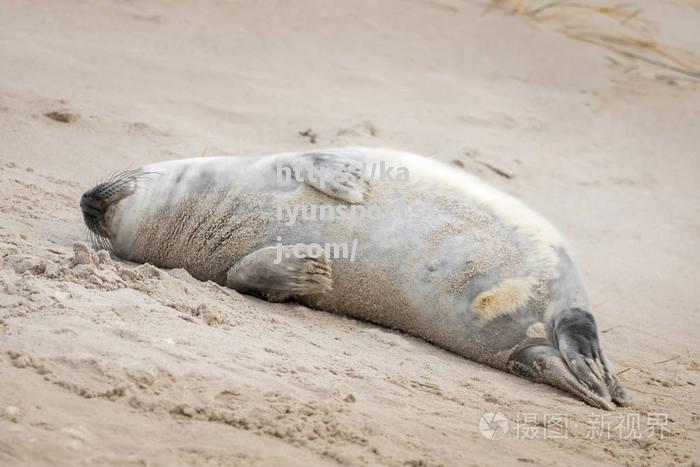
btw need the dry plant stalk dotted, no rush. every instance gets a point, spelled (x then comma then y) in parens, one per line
(619, 28)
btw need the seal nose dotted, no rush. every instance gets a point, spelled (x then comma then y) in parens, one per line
(93, 203)
(96, 201)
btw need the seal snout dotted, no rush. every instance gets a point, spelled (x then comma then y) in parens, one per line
(95, 202)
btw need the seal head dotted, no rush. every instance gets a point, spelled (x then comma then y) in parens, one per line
(97, 204)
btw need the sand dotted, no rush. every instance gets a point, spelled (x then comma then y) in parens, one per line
(591, 116)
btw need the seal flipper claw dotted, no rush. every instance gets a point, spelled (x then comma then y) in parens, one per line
(338, 177)
(576, 336)
(542, 363)
(279, 274)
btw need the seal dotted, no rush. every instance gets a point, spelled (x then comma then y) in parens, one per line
(430, 250)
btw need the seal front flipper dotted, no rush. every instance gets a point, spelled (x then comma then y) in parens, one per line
(336, 176)
(280, 273)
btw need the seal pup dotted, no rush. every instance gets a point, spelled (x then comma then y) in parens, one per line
(438, 254)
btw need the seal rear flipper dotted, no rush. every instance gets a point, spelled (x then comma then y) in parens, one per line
(280, 273)
(575, 334)
(538, 361)
(336, 176)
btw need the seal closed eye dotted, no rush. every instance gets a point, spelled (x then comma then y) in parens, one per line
(438, 254)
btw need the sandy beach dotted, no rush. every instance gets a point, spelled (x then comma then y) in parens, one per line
(588, 112)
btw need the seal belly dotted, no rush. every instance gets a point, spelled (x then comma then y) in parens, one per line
(420, 269)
